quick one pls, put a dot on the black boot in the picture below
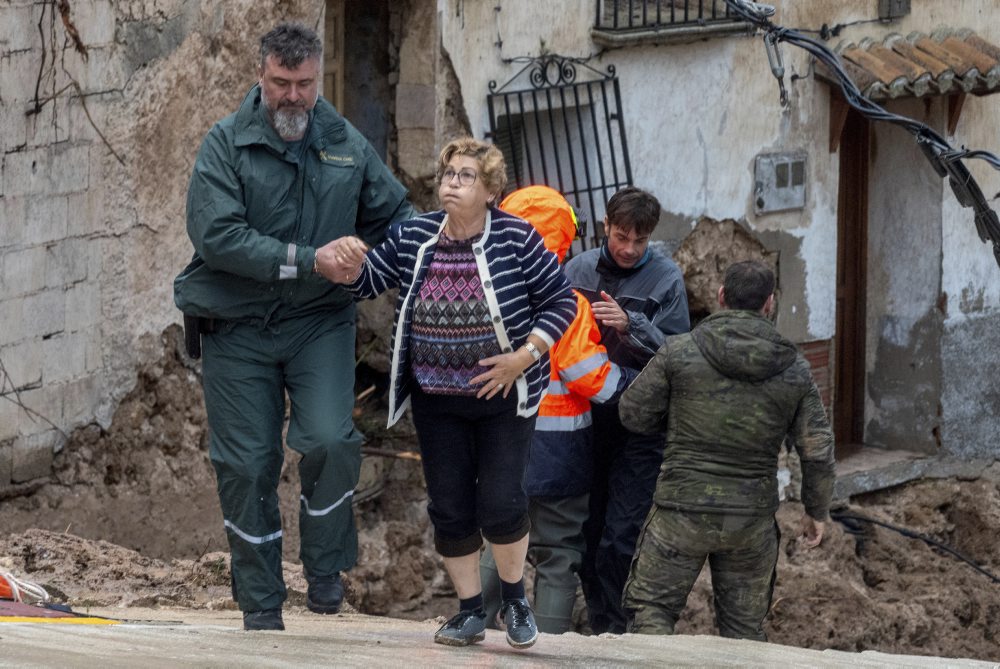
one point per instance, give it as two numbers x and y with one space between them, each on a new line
268 619
325 593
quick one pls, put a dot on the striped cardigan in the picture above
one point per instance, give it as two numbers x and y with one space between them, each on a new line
523 283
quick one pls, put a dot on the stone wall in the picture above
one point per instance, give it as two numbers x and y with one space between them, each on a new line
102 109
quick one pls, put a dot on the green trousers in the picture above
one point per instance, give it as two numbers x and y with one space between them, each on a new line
247 370
742 553
555 547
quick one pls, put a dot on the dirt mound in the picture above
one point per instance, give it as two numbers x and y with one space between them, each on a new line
132 519
145 488
872 588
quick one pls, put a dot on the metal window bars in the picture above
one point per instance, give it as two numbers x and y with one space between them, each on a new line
559 123
634 14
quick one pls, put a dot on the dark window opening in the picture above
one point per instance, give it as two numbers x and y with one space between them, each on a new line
565 134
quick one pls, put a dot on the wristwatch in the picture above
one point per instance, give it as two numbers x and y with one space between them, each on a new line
533 350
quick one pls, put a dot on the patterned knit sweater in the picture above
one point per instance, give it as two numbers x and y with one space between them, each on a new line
452 331
522 283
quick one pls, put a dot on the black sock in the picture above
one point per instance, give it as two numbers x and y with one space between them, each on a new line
471 604
512 590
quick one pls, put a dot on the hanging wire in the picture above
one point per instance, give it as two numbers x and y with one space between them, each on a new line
943 157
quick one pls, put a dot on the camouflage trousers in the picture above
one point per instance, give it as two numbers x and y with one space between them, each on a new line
742 553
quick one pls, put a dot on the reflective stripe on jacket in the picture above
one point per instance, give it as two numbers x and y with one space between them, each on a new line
561 461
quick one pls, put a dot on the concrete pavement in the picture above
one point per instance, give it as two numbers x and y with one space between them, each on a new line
155 638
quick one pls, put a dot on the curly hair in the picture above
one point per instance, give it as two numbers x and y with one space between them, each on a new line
290 44
492 167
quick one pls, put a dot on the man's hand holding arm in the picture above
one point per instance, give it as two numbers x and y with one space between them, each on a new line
610 314
340 261
646 333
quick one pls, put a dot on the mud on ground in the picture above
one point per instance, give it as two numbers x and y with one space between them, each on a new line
131 519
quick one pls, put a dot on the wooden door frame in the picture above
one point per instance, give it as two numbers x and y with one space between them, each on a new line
333 53
852 281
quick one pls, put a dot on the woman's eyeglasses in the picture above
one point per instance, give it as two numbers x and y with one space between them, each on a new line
465 177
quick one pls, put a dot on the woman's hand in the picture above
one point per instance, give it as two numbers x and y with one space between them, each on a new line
340 261
503 371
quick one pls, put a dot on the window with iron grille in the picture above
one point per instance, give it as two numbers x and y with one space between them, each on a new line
564 131
635 21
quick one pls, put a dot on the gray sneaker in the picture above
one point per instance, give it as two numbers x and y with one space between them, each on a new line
464 628
522 632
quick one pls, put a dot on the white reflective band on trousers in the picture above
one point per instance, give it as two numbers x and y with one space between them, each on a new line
323 512
249 538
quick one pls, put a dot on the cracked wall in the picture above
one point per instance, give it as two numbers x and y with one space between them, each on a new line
92 194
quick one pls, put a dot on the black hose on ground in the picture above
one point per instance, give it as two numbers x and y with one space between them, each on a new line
850 520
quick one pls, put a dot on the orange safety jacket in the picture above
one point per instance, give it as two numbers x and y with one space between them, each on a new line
561 460
561 463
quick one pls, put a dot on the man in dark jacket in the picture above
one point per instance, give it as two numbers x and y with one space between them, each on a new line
272 185
727 395
638 298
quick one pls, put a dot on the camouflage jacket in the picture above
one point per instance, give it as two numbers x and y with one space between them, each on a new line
727 394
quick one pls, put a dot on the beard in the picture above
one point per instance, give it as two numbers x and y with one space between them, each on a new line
289 120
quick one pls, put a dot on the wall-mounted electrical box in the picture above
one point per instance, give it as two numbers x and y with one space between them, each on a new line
779 182
893 9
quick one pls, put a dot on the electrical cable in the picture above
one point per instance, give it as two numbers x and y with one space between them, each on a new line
842 517
944 158
826 31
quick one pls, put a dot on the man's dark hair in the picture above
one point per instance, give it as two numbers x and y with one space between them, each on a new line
747 285
632 208
290 44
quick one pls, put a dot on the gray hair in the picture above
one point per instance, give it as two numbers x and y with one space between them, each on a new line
290 44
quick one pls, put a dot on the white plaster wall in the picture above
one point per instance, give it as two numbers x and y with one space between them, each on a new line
697 115
970 275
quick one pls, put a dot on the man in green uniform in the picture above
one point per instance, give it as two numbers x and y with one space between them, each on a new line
726 394
272 185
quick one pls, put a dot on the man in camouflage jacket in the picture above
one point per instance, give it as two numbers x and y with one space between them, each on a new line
727 394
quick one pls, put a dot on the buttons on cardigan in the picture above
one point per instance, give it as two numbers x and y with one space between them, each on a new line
496 319
507 349
487 284
522 406
478 250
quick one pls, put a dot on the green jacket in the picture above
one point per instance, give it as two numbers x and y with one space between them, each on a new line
256 214
727 394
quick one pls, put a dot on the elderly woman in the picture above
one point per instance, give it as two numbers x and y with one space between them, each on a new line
480 302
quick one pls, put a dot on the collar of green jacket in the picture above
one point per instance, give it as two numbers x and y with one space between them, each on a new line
743 345
252 126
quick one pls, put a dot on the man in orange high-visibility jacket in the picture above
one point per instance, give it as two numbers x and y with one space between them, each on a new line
561 463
